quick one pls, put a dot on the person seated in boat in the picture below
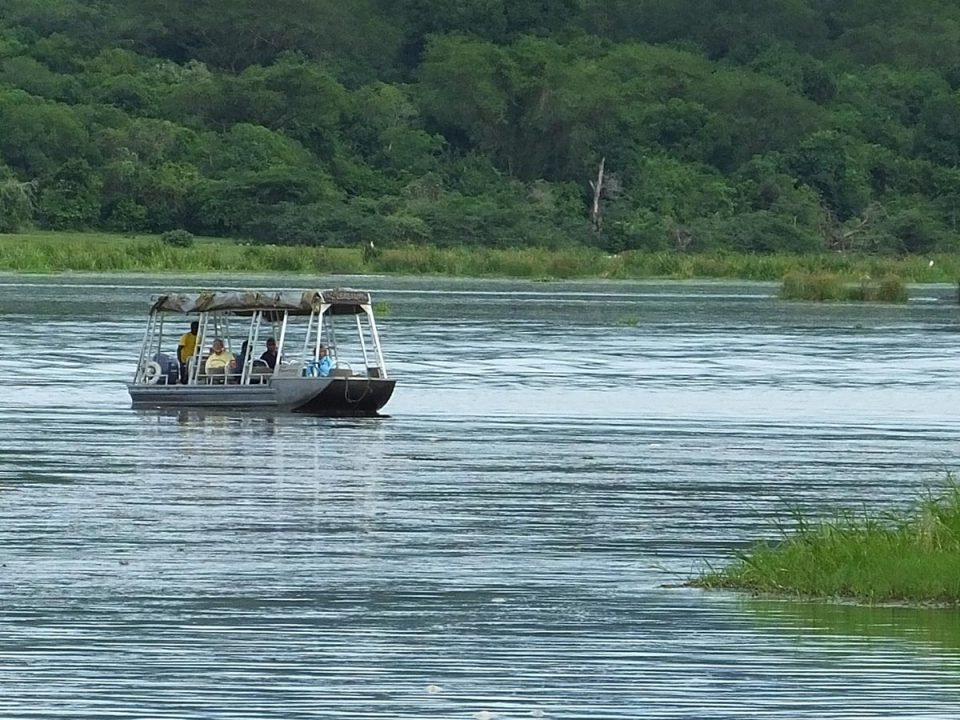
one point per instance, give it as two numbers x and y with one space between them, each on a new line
320 367
186 348
219 359
326 364
269 355
236 366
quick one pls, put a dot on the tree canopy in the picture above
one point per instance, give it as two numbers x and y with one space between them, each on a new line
782 125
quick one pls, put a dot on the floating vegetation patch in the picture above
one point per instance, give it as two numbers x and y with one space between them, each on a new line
831 287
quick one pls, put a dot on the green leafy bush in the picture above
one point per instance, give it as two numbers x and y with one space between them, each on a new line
177 238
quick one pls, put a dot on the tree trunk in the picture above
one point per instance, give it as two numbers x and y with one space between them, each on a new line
596 216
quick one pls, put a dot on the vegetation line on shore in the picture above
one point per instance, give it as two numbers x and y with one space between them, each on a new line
911 556
95 252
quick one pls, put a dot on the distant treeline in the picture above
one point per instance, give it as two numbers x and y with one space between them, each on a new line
776 126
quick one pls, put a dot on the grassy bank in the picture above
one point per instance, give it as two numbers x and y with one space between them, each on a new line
91 252
913 556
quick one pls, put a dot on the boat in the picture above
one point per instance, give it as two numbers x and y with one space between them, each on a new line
312 372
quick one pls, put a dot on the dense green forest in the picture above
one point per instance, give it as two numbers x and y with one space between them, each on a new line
748 125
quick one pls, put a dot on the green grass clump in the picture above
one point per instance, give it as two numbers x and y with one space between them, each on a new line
826 287
912 556
891 289
819 286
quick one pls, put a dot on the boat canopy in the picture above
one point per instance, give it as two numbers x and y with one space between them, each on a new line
341 301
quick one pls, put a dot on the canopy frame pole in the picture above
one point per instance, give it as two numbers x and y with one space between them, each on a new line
147 334
283 336
363 342
376 339
331 337
321 324
252 335
198 350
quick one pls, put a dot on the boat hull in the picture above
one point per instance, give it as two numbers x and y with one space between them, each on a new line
336 397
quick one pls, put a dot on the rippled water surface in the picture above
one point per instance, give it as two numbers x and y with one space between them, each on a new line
506 544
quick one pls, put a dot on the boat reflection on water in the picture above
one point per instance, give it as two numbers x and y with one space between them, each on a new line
256 454
259 420
264 422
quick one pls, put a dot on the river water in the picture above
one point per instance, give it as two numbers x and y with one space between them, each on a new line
507 543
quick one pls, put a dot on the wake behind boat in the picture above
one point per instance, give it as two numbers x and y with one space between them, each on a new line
301 369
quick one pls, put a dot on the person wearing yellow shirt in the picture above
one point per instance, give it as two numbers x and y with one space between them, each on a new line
219 360
186 348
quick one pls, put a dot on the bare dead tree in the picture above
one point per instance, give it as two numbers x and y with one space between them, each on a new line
596 215
843 237
16 204
682 238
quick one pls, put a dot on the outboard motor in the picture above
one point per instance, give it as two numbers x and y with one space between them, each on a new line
169 370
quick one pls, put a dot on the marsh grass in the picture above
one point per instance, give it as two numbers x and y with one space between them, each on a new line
45 252
827 286
912 556
92 252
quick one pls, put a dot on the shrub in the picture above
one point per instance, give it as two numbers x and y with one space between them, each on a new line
128 216
177 238
915 232
891 289
761 231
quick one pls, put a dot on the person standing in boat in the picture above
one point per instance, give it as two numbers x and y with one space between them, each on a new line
186 348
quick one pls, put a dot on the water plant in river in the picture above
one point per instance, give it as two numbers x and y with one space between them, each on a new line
909 556
827 286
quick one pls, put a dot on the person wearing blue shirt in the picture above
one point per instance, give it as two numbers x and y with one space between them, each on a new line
325 363
320 367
